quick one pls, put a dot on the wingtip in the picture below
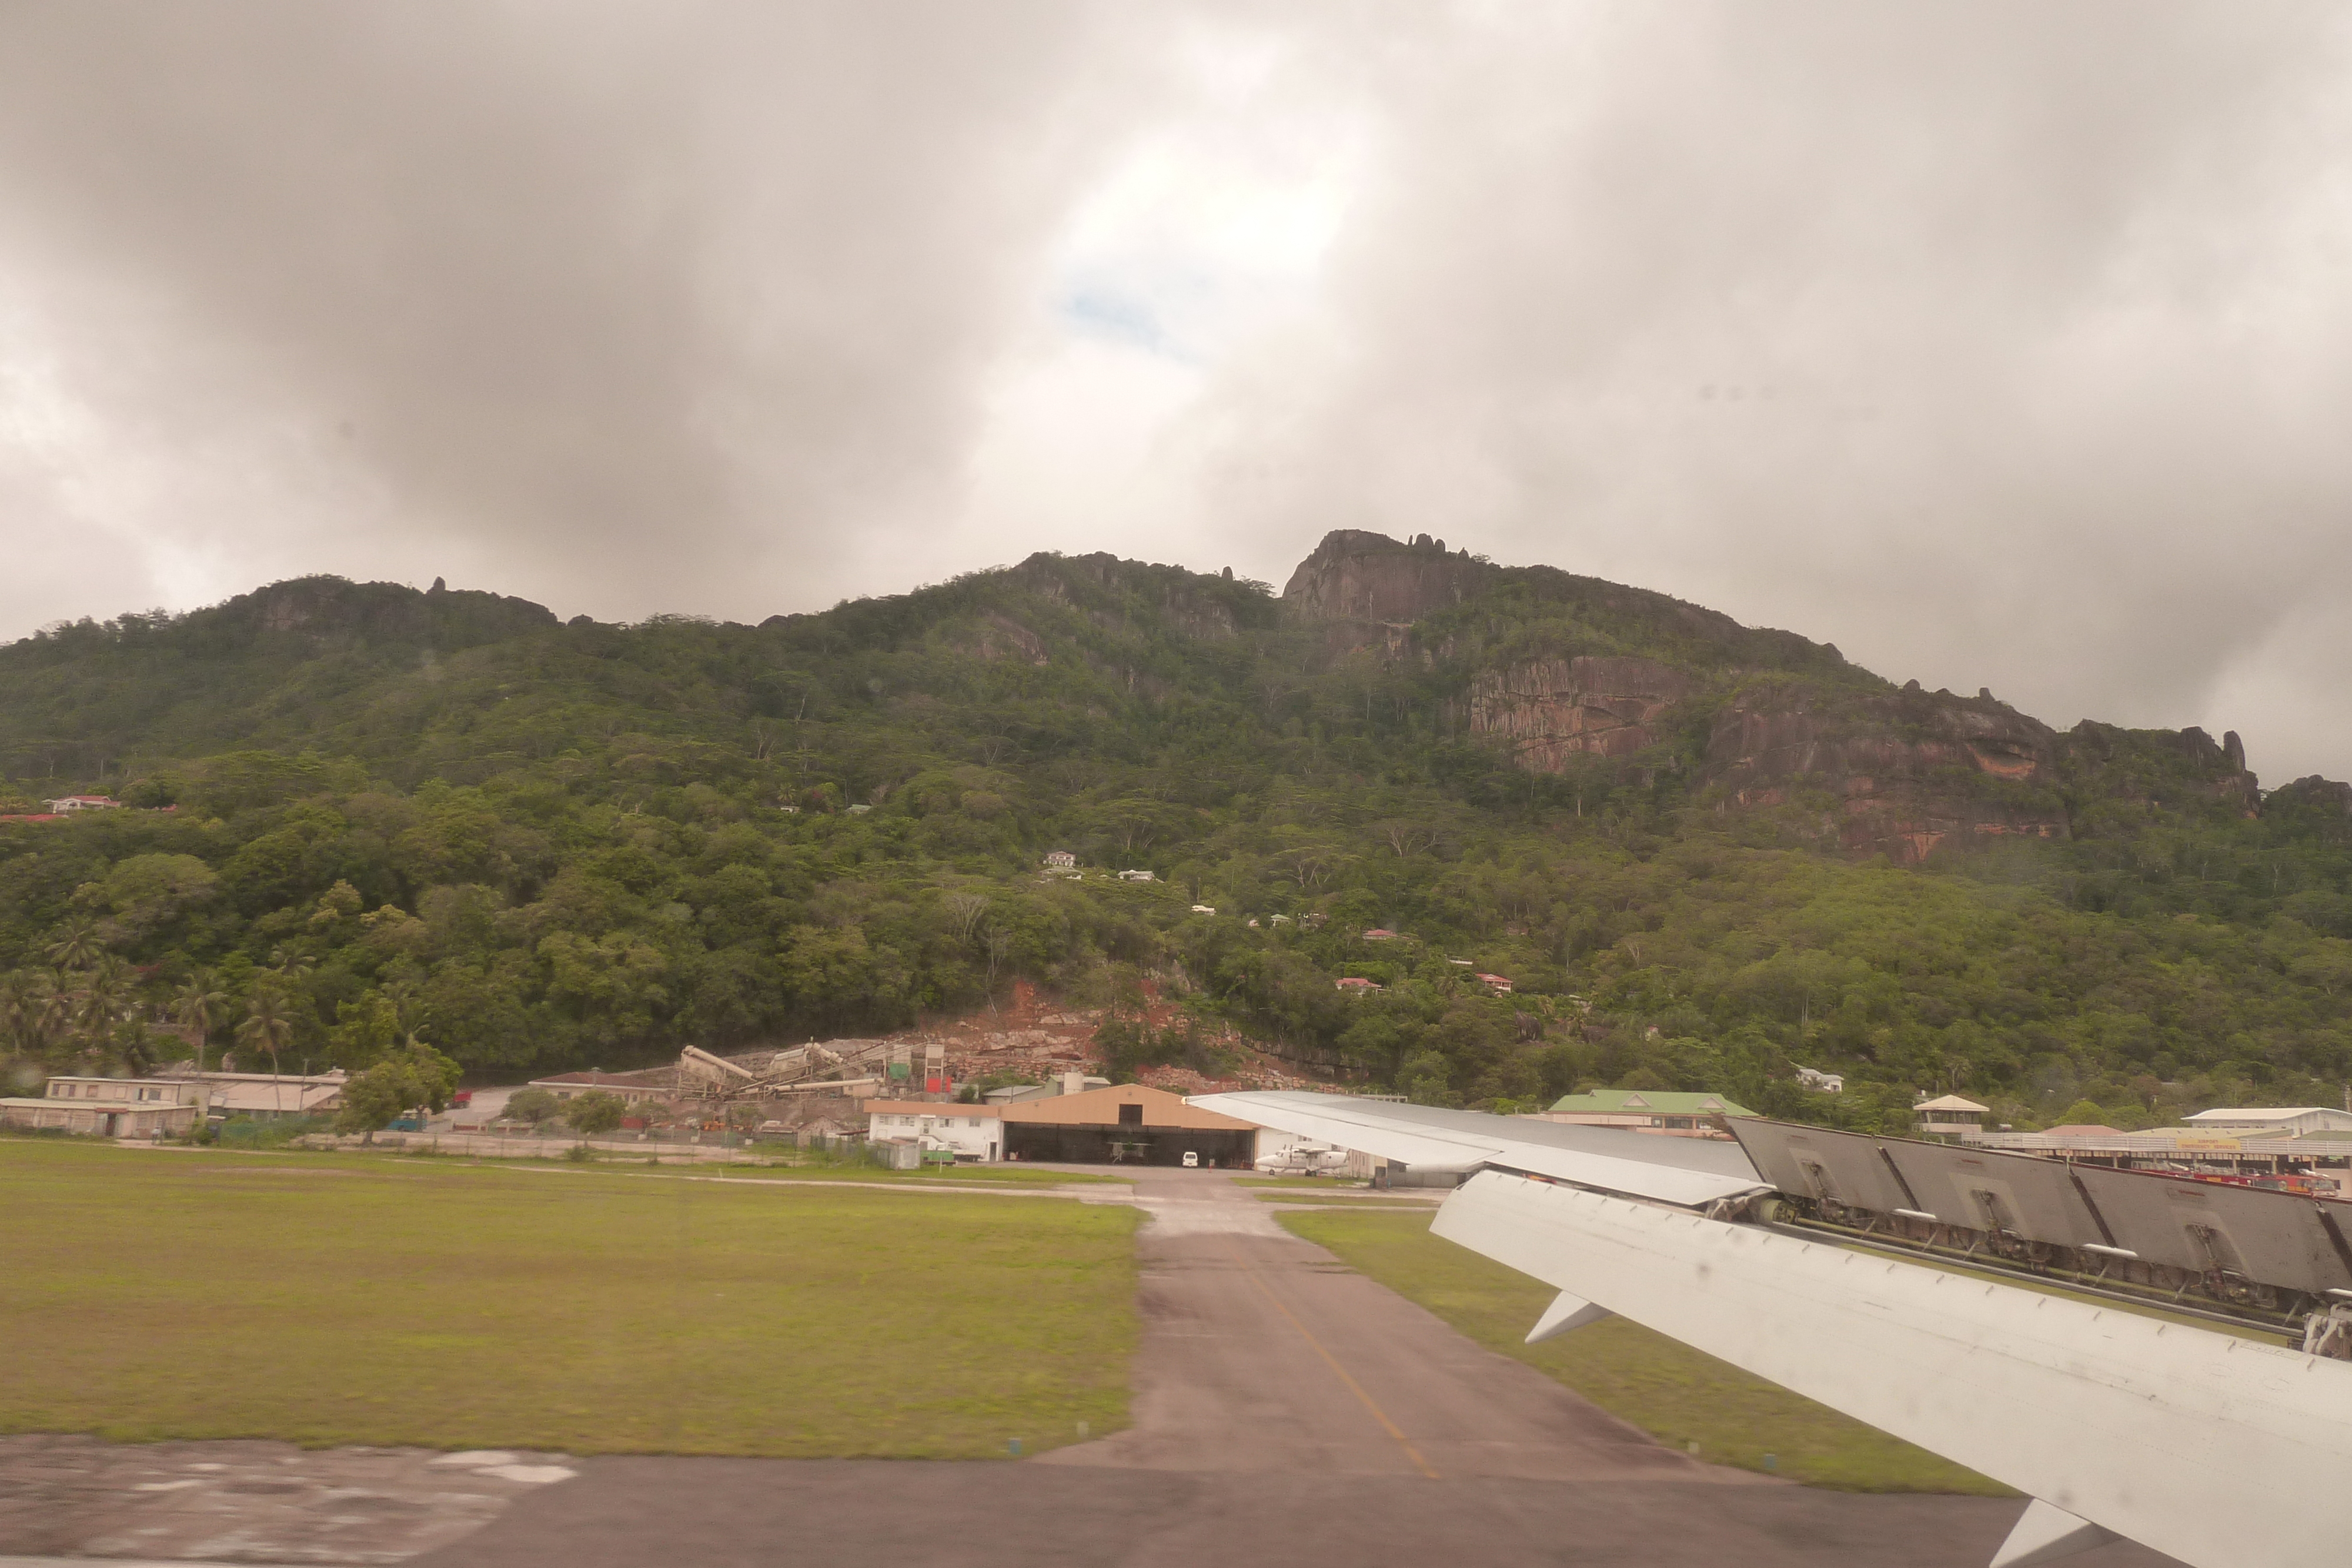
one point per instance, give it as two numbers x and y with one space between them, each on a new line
2045 1532
1566 1312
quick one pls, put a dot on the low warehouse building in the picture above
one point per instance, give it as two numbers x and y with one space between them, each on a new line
1126 1124
111 1107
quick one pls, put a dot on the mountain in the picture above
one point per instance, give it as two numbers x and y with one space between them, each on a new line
1705 852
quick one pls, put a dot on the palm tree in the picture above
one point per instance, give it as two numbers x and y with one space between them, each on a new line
21 1014
77 948
266 1026
46 1006
287 966
197 1007
101 1000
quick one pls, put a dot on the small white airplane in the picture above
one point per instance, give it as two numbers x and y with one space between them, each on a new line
1302 1159
1874 1275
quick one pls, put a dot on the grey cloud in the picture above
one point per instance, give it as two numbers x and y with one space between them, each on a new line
2000 344
631 307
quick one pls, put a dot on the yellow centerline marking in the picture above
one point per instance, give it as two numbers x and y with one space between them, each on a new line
1332 1361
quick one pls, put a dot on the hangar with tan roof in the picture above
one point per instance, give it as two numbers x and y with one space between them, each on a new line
1125 1124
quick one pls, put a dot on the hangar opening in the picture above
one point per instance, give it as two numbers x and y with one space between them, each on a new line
1126 1124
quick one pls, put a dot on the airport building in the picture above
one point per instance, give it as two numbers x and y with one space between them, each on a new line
1127 1124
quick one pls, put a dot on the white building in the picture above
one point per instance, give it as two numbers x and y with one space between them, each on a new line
112 1107
65 803
972 1131
1137 876
1950 1117
1827 1083
2277 1121
1061 859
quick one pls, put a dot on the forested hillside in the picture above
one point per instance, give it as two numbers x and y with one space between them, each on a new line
1703 853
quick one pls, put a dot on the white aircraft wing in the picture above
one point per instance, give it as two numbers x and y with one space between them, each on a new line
2221 1450
1672 1170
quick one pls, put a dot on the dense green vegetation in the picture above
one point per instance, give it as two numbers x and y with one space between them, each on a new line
365 813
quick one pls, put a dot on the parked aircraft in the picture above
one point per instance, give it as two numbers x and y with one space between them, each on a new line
1302 1159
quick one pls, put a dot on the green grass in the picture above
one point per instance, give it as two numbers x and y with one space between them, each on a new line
953 1176
1316 1181
381 1300
1667 1389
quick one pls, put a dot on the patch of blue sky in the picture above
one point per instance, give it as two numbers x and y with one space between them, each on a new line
1165 316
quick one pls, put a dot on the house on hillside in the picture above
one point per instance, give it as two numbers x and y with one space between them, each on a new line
1498 984
64 804
1380 934
1137 876
1674 1112
1357 986
1827 1083
1061 859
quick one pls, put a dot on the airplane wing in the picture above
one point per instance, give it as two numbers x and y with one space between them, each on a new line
1427 1139
2219 1449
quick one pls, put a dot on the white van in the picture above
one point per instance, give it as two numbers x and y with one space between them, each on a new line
1192 1159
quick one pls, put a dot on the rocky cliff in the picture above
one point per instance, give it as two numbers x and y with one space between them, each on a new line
1911 771
1358 576
1549 710
1754 719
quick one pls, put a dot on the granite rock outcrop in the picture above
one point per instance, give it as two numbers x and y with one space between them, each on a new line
1547 710
1354 575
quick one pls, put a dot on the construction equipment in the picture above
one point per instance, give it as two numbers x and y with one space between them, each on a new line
839 1067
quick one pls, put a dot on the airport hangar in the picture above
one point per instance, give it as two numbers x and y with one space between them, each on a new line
1127 1124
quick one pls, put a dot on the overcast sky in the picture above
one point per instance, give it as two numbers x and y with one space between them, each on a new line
2000 344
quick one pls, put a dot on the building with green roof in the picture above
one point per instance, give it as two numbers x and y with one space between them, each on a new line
1684 1111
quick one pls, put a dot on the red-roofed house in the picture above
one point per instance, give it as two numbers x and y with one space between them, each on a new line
1495 982
1380 934
1353 984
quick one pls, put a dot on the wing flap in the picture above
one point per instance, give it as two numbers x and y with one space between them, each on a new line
2135 1424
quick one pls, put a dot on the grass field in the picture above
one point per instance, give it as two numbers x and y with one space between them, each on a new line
783 1170
1667 1389
368 1299
1314 1181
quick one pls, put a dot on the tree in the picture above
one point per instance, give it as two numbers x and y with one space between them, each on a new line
266 1026
594 1112
197 1008
416 1077
77 946
532 1105
366 1030
965 909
